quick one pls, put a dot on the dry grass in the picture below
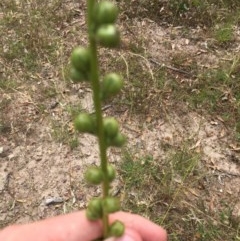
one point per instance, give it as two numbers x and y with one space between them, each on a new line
37 38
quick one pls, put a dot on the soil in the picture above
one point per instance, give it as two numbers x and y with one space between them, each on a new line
41 177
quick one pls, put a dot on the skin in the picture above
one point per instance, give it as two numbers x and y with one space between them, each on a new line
75 227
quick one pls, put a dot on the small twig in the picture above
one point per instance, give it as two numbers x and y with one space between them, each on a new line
103 108
172 68
226 173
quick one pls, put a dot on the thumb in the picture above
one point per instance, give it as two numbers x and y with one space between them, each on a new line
129 235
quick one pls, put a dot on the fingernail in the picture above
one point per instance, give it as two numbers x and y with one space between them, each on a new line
123 238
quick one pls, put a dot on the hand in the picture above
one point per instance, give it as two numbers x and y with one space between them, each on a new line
75 227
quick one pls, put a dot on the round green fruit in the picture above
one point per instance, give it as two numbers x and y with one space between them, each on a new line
111 173
106 12
84 123
110 126
92 216
111 84
94 175
80 59
108 36
111 204
117 229
118 141
95 206
77 76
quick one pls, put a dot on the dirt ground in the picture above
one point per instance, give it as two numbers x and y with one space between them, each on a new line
40 177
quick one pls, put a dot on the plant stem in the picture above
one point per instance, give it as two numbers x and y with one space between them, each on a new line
97 104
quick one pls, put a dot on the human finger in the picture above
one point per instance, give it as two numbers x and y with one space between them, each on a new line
70 227
129 235
75 227
147 230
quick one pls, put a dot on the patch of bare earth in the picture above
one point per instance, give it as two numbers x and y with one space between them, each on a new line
41 177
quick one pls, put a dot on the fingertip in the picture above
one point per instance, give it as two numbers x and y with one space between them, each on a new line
164 235
147 230
129 235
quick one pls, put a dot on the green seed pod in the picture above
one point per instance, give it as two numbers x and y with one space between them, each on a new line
95 207
111 204
117 229
111 173
106 12
80 59
77 76
110 126
92 216
94 175
85 123
118 141
111 84
108 36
